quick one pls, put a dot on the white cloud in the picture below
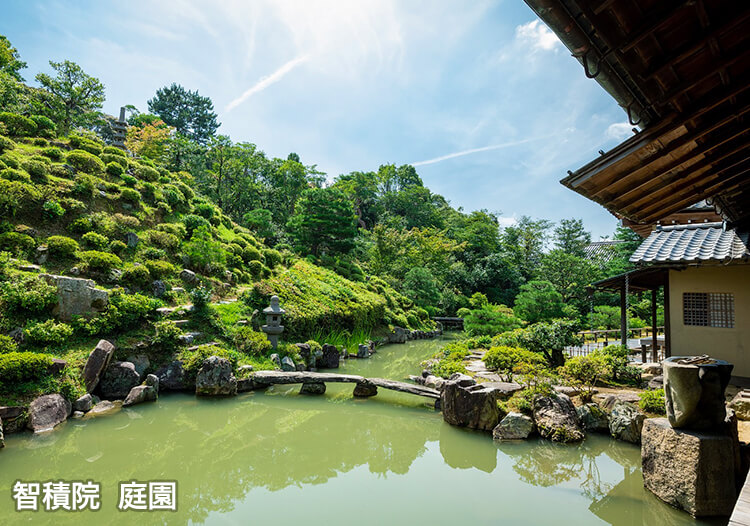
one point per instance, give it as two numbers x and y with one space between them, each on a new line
266 81
478 150
506 221
538 36
619 131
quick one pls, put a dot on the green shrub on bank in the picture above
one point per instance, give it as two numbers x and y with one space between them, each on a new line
96 261
86 144
125 311
54 153
16 196
160 269
29 294
17 125
146 173
114 150
12 174
137 275
61 246
6 144
45 127
251 342
95 240
18 367
52 210
16 243
653 402
167 336
7 344
505 360
47 333
38 170
131 196
115 170
583 372
86 162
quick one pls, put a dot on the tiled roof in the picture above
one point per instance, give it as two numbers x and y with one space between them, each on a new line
604 251
701 242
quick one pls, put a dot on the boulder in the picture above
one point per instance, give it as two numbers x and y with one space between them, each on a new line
48 411
514 426
131 239
398 335
305 353
651 368
690 470
77 415
152 381
104 408
96 364
365 389
14 418
57 366
462 380
84 403
657 382
275 360
172 377
41 255
330 357
434 382
158 288
626 422
695 392
287 364
246 384
740 404
188 276
18 335
76 297
140 394
316 388
363 351
556 418
610 400
141 363
474 408
118 379
593 418
503 390
215 378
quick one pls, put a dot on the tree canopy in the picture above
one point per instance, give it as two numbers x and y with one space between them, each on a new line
188 112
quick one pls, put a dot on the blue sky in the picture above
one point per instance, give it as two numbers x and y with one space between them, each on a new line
479 96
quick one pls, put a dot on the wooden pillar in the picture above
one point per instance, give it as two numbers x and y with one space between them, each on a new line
667 326
623 317
654 325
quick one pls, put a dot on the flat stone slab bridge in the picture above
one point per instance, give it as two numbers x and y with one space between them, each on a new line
314 383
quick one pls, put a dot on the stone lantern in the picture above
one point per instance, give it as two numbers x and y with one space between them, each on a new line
273 327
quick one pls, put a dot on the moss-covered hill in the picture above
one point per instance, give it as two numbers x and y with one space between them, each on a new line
75 207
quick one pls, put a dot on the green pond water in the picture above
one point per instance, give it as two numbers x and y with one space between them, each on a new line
277 457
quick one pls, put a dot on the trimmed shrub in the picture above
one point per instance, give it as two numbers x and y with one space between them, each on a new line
116 246
54 153
16 243
38 141
7 344
653 401
160 269
167 337
95 240
129 195
86 162
86 144
11 174
10 160
61 246
17 125
52 210
251 342
37 170
137 275
97 261
19 367
186 190
6 144
118 160
63 171
193 222
506 359
125 311
115 170
129 180
583 372
176 229
47 332
146 173
163 240
31 294
45 127
84 186
272 257
205 210
114 150
252 254
16 196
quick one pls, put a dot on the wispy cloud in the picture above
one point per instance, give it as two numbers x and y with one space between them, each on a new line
619 131
536 34
266 81
478 150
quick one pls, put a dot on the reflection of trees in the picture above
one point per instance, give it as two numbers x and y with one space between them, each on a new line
457 452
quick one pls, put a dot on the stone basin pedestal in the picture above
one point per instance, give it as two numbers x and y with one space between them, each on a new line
695 392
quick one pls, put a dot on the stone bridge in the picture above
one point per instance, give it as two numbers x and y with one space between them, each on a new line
314 383
450 323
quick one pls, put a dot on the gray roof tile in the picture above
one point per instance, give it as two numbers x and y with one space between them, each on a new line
700 242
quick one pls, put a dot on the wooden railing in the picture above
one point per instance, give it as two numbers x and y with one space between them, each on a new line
598 339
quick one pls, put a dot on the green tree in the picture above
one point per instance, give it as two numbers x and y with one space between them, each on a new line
524 243
420 287
190 113
10 59
323 222
570 275
538 301
75 97
571 237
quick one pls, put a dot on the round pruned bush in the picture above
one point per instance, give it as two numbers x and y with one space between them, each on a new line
12 174
136 276
6 144
45 127
86 162
7 344
52 210
130 195
250 342
96 261
47 333
163 240
62 246
146 173
653 402
160 269
95 240
38 141
63 171
115 170
129 180
86 144
272 257
193 222
84 186
16 196
54 153
117 247
31 294
176 229
10 160
38 170
114 150
118 160
19 367
252 254
17 125
256 269
167 337
16 243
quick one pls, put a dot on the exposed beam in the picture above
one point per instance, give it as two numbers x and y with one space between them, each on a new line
651 23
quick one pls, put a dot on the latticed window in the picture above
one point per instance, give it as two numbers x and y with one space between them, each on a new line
708 309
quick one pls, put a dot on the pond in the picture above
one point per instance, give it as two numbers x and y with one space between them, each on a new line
277 457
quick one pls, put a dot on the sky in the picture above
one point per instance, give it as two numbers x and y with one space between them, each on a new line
479 96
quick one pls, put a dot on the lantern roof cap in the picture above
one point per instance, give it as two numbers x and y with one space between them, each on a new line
274 308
